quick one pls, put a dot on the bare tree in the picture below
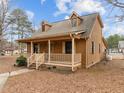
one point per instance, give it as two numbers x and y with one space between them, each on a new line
20 26
23 27
117 5
3 16
3 19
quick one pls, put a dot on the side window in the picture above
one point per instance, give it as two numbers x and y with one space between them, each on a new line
93 47
99 48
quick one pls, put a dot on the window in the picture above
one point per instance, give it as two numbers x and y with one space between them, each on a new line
68 47
93 47
74 22
99 48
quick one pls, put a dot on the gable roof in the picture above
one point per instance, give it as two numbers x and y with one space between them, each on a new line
64 27
74 13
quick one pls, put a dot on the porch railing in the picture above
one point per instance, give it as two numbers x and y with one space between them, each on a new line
63 58
36 58
39 58
31 60
55 59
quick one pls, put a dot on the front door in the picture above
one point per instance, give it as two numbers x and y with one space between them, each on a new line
68 47
35 48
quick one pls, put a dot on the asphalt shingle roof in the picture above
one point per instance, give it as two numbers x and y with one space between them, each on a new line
64 27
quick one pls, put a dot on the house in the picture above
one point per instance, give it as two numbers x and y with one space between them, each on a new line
8 48
75 42
121 46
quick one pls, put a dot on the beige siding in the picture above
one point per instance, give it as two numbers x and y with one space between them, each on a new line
43 47
96 36
103 51
56 47
81 48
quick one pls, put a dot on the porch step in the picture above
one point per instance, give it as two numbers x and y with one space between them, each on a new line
32 66
43 67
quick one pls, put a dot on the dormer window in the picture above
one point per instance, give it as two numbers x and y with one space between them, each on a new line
74 22
75 19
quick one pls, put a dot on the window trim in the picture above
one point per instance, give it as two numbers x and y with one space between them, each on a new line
93 47
99 48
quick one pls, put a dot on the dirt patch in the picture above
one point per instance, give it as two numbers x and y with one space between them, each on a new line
100 78
6 64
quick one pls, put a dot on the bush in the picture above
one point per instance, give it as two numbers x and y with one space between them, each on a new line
21 61
2 54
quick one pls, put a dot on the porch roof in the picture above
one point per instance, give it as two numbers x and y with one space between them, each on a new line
64 28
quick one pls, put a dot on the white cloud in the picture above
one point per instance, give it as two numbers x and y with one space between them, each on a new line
66 17
88 6
80 6
30 14
62 6
113 29
42 1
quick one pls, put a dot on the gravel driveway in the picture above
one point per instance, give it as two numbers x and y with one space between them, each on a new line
100 78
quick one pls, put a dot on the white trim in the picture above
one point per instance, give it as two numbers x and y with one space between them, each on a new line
73 52
64 65
38 47
49 50
31 47
53 64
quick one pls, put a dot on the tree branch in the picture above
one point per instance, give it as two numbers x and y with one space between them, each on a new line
116 3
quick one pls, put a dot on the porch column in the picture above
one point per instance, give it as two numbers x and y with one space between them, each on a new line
19 48
49 50
73 52
38 47
31 48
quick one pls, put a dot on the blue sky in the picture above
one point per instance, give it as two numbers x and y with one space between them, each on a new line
55 10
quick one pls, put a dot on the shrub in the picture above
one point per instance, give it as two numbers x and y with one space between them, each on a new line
2 54
21 61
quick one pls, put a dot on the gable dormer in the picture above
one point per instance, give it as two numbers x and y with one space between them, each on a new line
75 19
45 26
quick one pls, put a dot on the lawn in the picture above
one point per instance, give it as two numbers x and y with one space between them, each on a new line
100 78
6 64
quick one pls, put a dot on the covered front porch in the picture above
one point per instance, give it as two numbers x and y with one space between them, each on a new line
58 52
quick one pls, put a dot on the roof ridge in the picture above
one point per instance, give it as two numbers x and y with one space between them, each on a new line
79 16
